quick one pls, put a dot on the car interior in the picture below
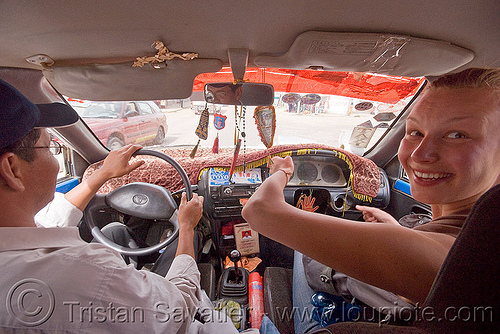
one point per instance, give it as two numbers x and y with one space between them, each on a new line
329 83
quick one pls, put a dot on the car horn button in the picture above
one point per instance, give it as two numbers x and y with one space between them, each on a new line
140 199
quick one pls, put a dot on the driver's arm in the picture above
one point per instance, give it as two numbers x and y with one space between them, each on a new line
116 164
66 210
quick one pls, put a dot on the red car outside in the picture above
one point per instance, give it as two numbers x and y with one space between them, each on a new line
126 122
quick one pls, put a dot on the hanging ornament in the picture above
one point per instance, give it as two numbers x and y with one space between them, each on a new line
215 147
235 157
219 121
201 130
236 133
265 118
239 120
219 124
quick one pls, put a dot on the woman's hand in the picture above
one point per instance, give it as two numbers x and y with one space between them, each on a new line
283 164
374 215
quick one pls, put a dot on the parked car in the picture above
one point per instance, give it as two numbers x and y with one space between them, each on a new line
125 122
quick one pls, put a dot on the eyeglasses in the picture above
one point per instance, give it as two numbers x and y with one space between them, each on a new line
55 147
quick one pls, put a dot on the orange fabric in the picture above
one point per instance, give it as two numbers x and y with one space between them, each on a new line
362 86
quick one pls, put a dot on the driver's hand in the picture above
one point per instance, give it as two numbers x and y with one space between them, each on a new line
117 163
190 212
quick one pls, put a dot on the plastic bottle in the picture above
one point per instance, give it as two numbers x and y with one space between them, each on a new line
256 299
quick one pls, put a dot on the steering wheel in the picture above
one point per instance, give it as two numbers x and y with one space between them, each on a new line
142 200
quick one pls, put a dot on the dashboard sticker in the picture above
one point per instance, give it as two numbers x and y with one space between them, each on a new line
220 176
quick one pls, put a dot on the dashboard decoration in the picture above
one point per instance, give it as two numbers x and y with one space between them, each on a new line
265 118
363 175
306 203
201 130
247 240
312 200
220 176
219 124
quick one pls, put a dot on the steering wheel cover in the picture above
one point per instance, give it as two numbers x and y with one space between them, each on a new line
101 202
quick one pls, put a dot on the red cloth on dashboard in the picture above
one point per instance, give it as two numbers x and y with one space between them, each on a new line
365 174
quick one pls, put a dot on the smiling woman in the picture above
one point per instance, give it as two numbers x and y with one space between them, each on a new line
451 147
450 154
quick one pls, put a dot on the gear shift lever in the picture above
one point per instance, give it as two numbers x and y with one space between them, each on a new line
233 283
235 256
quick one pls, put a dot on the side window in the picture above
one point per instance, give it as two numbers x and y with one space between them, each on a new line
131 107
404 176
402 183
64 159
145 108
131 110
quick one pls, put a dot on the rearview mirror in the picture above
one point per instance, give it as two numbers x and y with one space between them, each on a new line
245 93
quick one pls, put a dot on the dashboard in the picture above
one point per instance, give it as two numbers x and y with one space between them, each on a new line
321 171
318 171
319 174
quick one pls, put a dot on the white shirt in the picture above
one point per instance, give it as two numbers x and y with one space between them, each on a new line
54 281
58 213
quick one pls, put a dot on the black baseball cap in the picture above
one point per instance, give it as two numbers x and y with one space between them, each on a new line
18 115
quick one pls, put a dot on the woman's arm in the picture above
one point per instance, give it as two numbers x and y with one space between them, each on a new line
375 215
397 259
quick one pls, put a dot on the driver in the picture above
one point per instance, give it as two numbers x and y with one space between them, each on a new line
54 281
226 93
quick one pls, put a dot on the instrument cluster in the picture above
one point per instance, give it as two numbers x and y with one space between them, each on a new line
316 171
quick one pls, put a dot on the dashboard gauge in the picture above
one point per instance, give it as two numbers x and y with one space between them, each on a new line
307 172
331 173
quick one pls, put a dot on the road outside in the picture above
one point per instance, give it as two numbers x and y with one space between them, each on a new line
291 128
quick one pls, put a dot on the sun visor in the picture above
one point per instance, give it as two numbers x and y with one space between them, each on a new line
101 82
369 52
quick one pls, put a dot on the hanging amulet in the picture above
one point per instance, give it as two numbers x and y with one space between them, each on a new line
265 118
202 129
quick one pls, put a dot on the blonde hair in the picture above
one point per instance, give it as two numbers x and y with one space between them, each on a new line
469 78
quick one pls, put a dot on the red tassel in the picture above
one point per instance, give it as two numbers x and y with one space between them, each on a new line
215 148
235 157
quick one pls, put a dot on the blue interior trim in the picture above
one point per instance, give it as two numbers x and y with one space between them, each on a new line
402 186
67 185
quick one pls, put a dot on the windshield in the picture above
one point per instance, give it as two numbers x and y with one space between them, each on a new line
99 110
348 110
